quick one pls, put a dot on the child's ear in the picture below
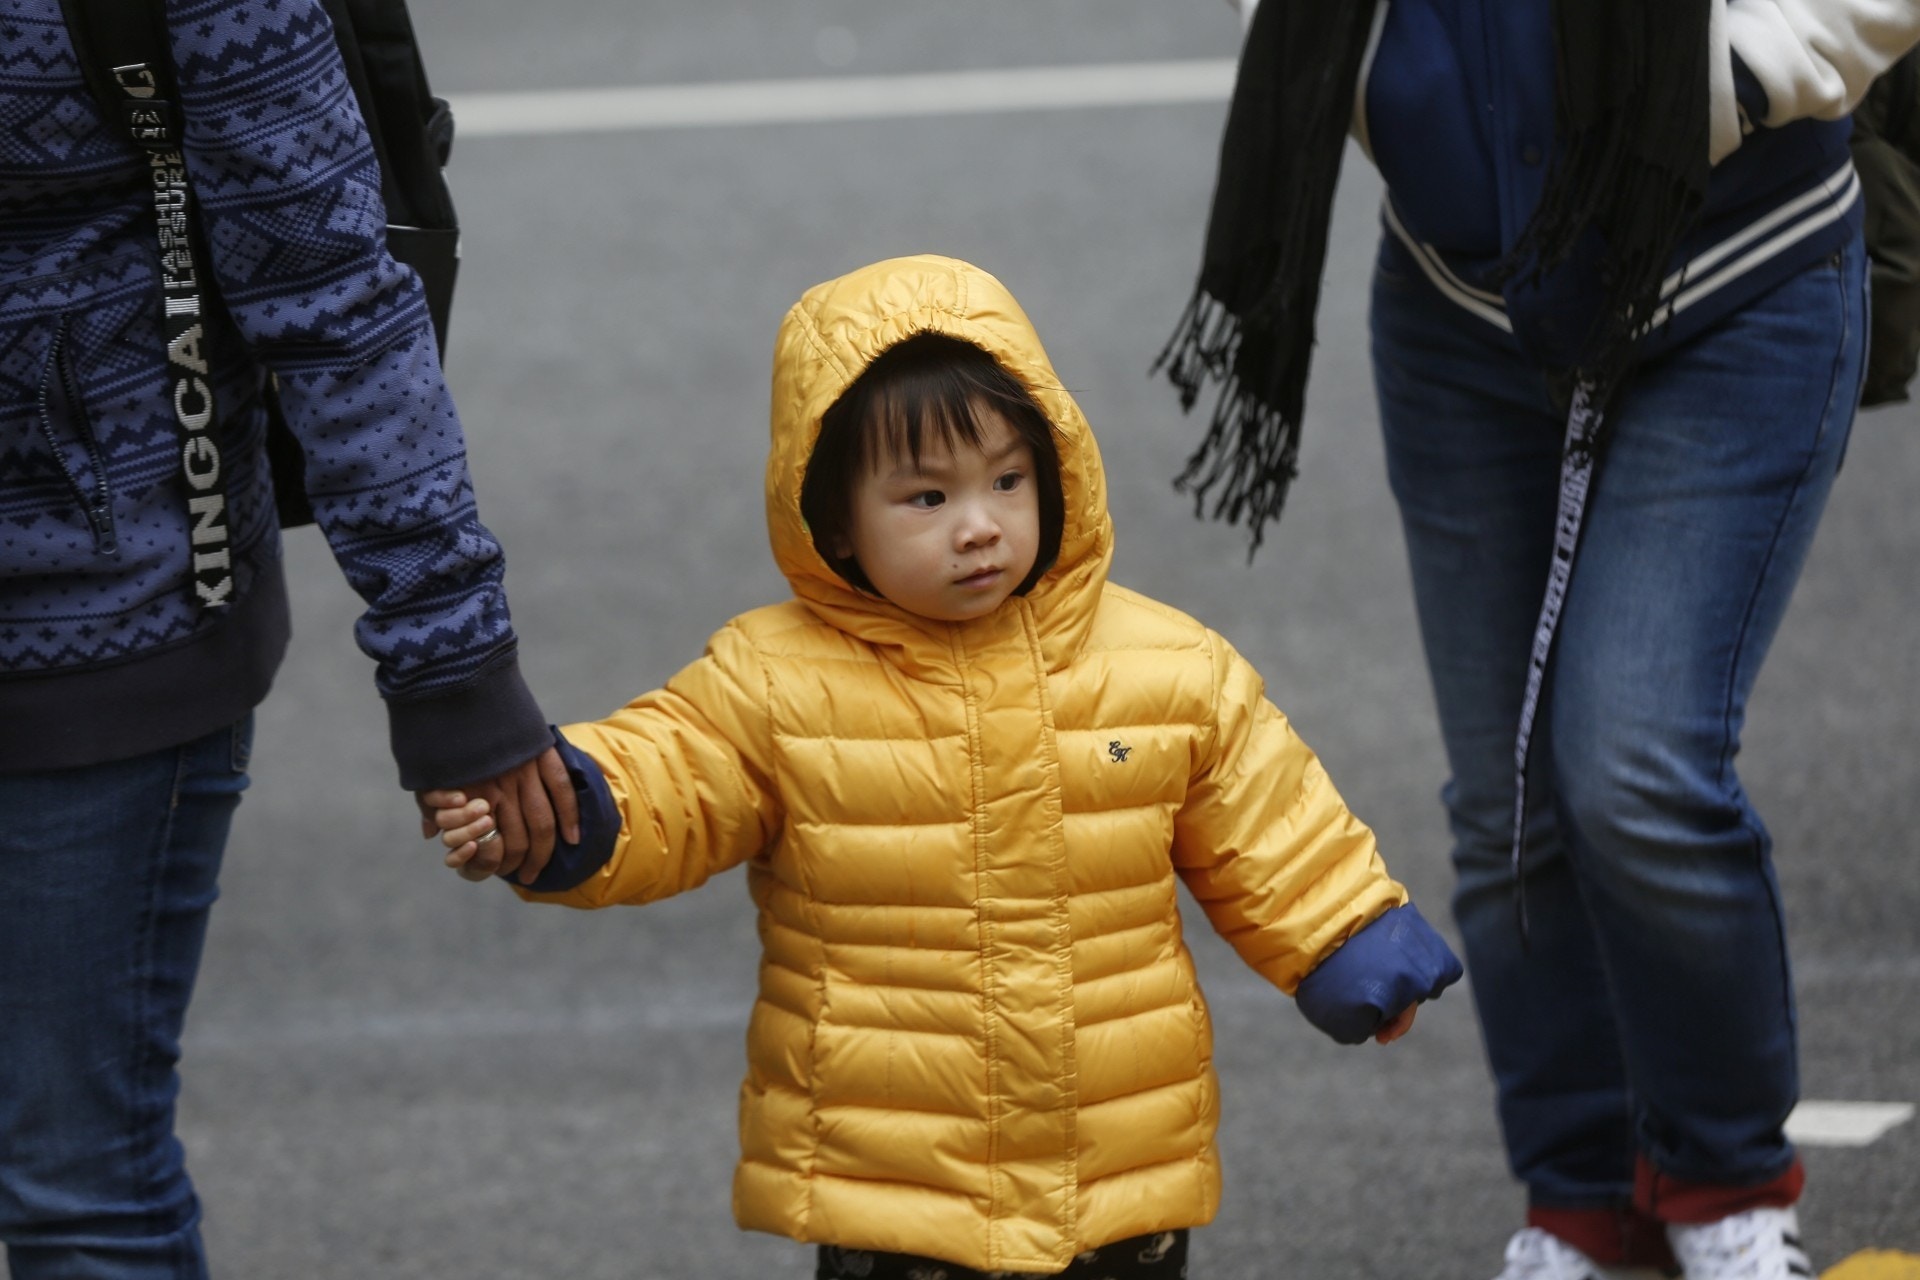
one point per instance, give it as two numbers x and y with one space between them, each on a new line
842 547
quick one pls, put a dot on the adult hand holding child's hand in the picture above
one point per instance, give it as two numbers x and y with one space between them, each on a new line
504 825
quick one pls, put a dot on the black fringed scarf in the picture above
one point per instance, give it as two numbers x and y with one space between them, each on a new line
1631 161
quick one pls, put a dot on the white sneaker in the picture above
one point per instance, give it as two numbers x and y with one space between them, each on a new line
1760 1244
1534 1254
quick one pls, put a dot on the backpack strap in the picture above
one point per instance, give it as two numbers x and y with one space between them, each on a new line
123 52
117 33
412 134
412 130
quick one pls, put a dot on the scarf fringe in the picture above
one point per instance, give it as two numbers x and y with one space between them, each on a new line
1250 453
1632 166
1250 323
1204 342
1643 210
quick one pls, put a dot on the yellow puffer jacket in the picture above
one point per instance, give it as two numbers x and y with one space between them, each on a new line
979 1035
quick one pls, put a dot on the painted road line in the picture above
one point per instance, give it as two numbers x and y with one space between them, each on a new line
1844 1124
825 98
1876 1264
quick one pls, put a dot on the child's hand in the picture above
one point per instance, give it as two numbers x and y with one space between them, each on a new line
1394 963
467 829
1401 1024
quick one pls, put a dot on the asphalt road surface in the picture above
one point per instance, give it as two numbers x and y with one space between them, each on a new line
392 1073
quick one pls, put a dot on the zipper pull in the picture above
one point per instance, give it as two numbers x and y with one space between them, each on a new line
105 540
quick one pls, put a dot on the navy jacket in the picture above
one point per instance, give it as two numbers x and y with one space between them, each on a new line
104 650
1459 109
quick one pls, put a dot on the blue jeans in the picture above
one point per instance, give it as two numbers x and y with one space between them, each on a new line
1649 1027
107 875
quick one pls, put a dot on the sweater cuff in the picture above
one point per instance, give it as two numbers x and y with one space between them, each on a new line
476 732
1396 961
573 864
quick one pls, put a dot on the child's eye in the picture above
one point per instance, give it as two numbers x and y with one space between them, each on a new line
1009 482
927 499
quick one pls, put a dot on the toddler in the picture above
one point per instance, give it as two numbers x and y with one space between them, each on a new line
965 772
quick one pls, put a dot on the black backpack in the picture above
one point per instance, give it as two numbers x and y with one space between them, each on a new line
412 134
1886 151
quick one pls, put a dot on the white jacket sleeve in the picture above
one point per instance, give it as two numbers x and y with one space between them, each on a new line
1817 57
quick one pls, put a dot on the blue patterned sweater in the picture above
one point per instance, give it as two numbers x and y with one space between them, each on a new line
104 650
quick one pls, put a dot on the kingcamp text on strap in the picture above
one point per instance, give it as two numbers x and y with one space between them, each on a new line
153 123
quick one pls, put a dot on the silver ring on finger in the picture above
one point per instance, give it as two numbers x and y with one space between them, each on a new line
491 835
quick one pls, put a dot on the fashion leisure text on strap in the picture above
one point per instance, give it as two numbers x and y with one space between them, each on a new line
153 122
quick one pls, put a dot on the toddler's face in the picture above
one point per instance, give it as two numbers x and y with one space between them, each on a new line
951 537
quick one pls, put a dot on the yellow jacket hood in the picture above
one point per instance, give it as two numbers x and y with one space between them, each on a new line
826 341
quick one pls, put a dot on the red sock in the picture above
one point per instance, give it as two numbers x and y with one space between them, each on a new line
1612 1237
1663 1196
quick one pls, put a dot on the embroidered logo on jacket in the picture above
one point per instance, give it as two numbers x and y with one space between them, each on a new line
1119 751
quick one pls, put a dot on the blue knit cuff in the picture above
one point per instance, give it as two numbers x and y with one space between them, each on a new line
1396 961
467 735
574 864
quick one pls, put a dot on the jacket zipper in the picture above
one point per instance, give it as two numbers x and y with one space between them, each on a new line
97 504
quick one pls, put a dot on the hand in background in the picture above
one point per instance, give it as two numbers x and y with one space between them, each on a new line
528 805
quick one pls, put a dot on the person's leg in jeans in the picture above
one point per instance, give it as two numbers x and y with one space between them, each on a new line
1473 456
107 874
1700 520
1621 1029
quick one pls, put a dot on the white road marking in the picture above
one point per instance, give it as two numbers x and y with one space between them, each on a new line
1844 1124
825 98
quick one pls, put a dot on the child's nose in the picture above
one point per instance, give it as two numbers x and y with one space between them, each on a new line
977 527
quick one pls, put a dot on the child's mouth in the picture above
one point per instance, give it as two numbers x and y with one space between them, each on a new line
984 578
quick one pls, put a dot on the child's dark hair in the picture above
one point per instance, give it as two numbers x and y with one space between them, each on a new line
930 381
